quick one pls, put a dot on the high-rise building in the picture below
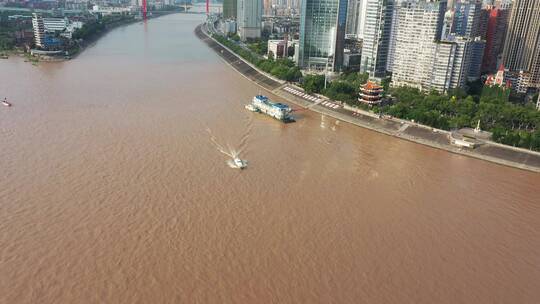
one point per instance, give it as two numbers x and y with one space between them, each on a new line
495 33
267 7
377 32
354 16
362 19
39 30
229 9
448 24
392 44
417 34
522 44
478 46
504 4
421 58
322 34
464 21
467 18
249 18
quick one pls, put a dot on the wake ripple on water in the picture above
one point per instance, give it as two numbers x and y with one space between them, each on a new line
229 150
329 138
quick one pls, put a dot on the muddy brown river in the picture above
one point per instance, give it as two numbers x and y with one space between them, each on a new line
113 190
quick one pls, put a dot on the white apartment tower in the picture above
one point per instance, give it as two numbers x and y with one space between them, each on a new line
421 59
39 30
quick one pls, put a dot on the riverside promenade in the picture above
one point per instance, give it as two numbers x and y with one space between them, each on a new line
440 139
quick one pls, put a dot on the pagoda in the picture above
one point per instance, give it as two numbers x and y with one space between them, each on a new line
371 93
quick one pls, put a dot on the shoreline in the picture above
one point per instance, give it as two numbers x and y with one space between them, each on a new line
440 139
93 40
82 46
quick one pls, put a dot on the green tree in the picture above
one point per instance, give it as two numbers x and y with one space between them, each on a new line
313 83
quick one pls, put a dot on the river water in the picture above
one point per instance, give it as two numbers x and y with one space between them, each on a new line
114 191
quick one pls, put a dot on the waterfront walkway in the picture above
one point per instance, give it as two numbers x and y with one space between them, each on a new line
489 151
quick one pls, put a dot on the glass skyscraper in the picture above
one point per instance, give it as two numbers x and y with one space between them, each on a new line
377 32
322 34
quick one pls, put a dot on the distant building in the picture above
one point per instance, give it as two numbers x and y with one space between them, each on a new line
523 81
522 46
392 43
228 26
322 34
229 9
268 25
277 48
421 59
448 24
504 4
520 80
371 93
461 62
249 18
377 32
476 55
39 30
467 18
267 7
496 26
351 60
499 79
435 48
356 14
362 20
110 10
55 24
296 45
76 6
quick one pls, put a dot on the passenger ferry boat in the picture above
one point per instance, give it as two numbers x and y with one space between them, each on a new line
277 110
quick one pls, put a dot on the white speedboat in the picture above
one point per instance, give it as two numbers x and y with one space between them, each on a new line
240 164
6 103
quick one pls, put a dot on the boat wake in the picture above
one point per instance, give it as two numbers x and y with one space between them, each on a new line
328 137
233 153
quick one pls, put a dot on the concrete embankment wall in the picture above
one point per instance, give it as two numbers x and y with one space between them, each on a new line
416 139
